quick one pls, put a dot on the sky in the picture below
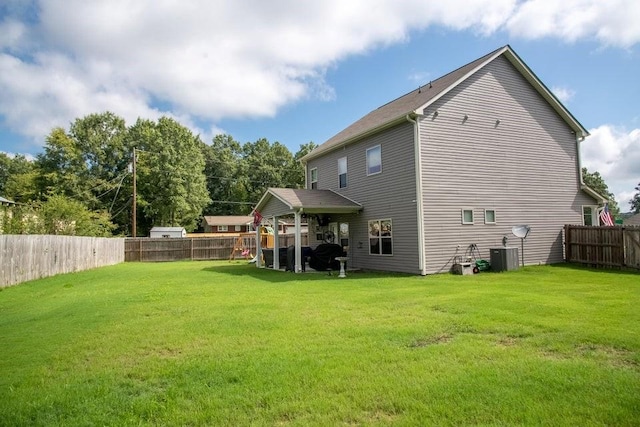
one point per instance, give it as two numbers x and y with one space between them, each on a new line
296 71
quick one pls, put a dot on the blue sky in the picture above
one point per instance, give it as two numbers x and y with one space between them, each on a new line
294 71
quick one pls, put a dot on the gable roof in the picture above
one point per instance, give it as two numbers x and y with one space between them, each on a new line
310 201
228 219
414 102
632 220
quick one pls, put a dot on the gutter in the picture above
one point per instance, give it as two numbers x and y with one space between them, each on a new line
584 187
419 204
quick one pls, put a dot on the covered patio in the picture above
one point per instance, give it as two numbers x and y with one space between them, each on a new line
281 202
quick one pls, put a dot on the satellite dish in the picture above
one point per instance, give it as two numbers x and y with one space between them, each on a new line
521 231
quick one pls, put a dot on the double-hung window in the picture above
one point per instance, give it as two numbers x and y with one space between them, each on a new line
342 172
314 178
380 237
374 160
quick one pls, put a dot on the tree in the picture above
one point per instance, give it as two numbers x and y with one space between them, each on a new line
89 163
596 183
224 175
14 170
65 216
172 188
635 201
266 165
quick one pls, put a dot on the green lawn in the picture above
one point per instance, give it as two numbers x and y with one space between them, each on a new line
219 343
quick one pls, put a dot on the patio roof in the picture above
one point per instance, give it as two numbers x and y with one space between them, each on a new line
310 201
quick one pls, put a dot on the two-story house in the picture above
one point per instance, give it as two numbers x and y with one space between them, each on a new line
457 162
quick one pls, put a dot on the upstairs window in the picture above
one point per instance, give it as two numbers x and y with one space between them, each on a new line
314 178
342 172
374 160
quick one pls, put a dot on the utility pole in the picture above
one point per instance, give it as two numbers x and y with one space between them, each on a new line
133 215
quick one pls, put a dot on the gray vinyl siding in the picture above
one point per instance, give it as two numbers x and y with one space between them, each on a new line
388 195
525 168
275 207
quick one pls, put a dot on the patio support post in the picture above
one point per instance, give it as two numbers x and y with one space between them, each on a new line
276 244
258 247
298 242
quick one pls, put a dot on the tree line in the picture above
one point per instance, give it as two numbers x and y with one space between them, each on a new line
82 182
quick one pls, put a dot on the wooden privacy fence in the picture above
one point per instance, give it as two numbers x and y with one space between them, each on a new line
615 247
193 248
30 257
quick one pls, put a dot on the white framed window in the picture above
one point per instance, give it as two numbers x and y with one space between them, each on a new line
380 237
342 172
314 178
467 216
238 228
223 228
489 216
590 215
374 160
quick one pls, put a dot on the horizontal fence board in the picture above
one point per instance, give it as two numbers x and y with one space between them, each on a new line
615 247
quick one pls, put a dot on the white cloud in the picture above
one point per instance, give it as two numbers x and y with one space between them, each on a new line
612 22
615 153
563 94
204 60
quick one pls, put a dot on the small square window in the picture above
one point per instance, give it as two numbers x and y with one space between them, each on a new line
467 216
489 216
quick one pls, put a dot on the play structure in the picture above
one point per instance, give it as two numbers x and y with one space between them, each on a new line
245 244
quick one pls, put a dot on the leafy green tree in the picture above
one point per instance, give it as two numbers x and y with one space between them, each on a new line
635 201
89 163
23 219
224 175
596 182
170 170
267 165
65 216
10 169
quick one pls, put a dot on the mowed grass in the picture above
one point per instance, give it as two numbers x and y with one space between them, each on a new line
219 343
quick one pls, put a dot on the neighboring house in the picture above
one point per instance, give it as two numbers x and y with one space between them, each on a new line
227 224
6 202
170 232
632 220
457 162
5 212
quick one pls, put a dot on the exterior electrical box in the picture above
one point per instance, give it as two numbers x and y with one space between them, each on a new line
504 259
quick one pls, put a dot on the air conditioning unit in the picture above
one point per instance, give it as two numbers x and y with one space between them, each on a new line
504 259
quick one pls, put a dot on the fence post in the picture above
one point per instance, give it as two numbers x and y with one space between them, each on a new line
567 243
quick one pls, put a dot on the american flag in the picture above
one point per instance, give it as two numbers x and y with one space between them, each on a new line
605 216
257 218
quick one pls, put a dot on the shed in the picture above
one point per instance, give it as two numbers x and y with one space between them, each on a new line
168 232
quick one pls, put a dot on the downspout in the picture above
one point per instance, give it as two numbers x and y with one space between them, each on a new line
584 186
419 197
